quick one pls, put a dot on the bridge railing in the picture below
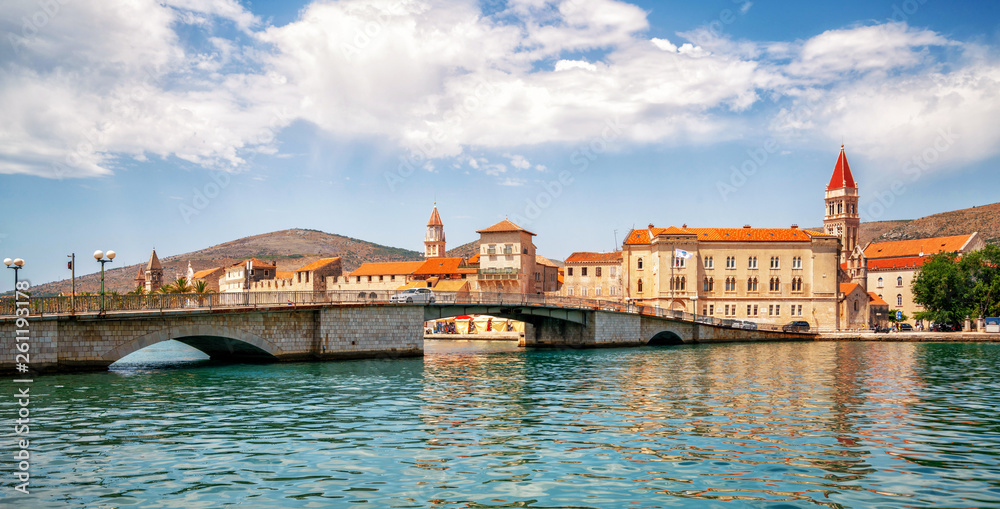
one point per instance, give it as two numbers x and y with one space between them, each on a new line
91 304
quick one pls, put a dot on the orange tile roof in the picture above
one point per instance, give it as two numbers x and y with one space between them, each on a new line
474 258
322 262
876 300
910 262
438 266
637 238
435 219
386 268
901 248
257 263
504 226
541 260
201 274
642 237
842 176
452 286
586 256
847 288
284 274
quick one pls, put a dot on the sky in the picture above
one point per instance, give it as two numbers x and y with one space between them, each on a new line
181 124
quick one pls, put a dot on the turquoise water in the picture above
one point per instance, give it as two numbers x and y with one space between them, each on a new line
490 425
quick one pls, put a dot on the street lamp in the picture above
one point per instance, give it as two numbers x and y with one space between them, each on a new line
99 256
17 264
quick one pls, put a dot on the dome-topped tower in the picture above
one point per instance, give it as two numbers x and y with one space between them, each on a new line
842 216
434 238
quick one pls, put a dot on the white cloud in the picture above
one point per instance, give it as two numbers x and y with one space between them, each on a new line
877 47
438 78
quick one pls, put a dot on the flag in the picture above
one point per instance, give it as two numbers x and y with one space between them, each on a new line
680 253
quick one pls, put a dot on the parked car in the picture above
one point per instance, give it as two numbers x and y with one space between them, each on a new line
749 325
414 296
905 327
943 327
881 329
796 326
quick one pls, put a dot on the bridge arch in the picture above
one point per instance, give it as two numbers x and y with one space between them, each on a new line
664 338
218 342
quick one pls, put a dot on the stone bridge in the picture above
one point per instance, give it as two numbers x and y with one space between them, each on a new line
299 329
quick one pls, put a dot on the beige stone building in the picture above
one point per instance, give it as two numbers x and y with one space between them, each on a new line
594 275
308 278
376 276
892 266
239 276
768 275
546 275
210 277
506 259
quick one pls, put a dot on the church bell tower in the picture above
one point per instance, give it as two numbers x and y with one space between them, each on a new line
434 238
842 217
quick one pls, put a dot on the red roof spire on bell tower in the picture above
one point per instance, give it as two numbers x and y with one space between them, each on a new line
842 177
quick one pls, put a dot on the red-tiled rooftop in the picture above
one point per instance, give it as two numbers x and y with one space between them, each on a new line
586 256
642 237
876 300
847 288
504 226
435 219
916 247
910 262
438 266
842 176
257 263
322 262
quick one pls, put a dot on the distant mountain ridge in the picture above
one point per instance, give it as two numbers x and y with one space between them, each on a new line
289 249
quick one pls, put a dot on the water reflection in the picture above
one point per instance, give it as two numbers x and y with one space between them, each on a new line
481 424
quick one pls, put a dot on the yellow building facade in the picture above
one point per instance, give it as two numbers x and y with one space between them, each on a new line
766 275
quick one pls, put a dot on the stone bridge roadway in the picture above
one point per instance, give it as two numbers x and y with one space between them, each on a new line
93 341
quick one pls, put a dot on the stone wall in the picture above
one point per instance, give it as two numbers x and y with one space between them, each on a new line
87 343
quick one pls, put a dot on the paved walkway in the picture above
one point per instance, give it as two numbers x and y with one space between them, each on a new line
910 336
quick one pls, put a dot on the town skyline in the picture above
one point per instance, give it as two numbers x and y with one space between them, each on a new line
753 142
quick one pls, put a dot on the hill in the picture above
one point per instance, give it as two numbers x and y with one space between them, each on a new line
985 220
464 251
289 249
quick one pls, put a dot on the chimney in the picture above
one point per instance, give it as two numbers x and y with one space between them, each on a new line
746 226
651 226
684 226
795 227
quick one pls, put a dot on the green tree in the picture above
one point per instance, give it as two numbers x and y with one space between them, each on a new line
942 289
138 290
201 287
182 286
982 268
902 316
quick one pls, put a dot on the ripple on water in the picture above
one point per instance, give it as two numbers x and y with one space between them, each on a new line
490 425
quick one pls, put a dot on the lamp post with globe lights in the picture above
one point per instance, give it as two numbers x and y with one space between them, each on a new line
15 264
99 256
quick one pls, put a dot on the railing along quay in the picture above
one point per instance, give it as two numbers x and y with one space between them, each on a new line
91 304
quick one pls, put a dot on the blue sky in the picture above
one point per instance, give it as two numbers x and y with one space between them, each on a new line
183 124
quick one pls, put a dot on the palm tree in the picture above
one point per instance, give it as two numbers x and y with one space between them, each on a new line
181 286
165 289
201 287
138 290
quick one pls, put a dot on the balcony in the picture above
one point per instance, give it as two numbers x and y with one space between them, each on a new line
498 273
